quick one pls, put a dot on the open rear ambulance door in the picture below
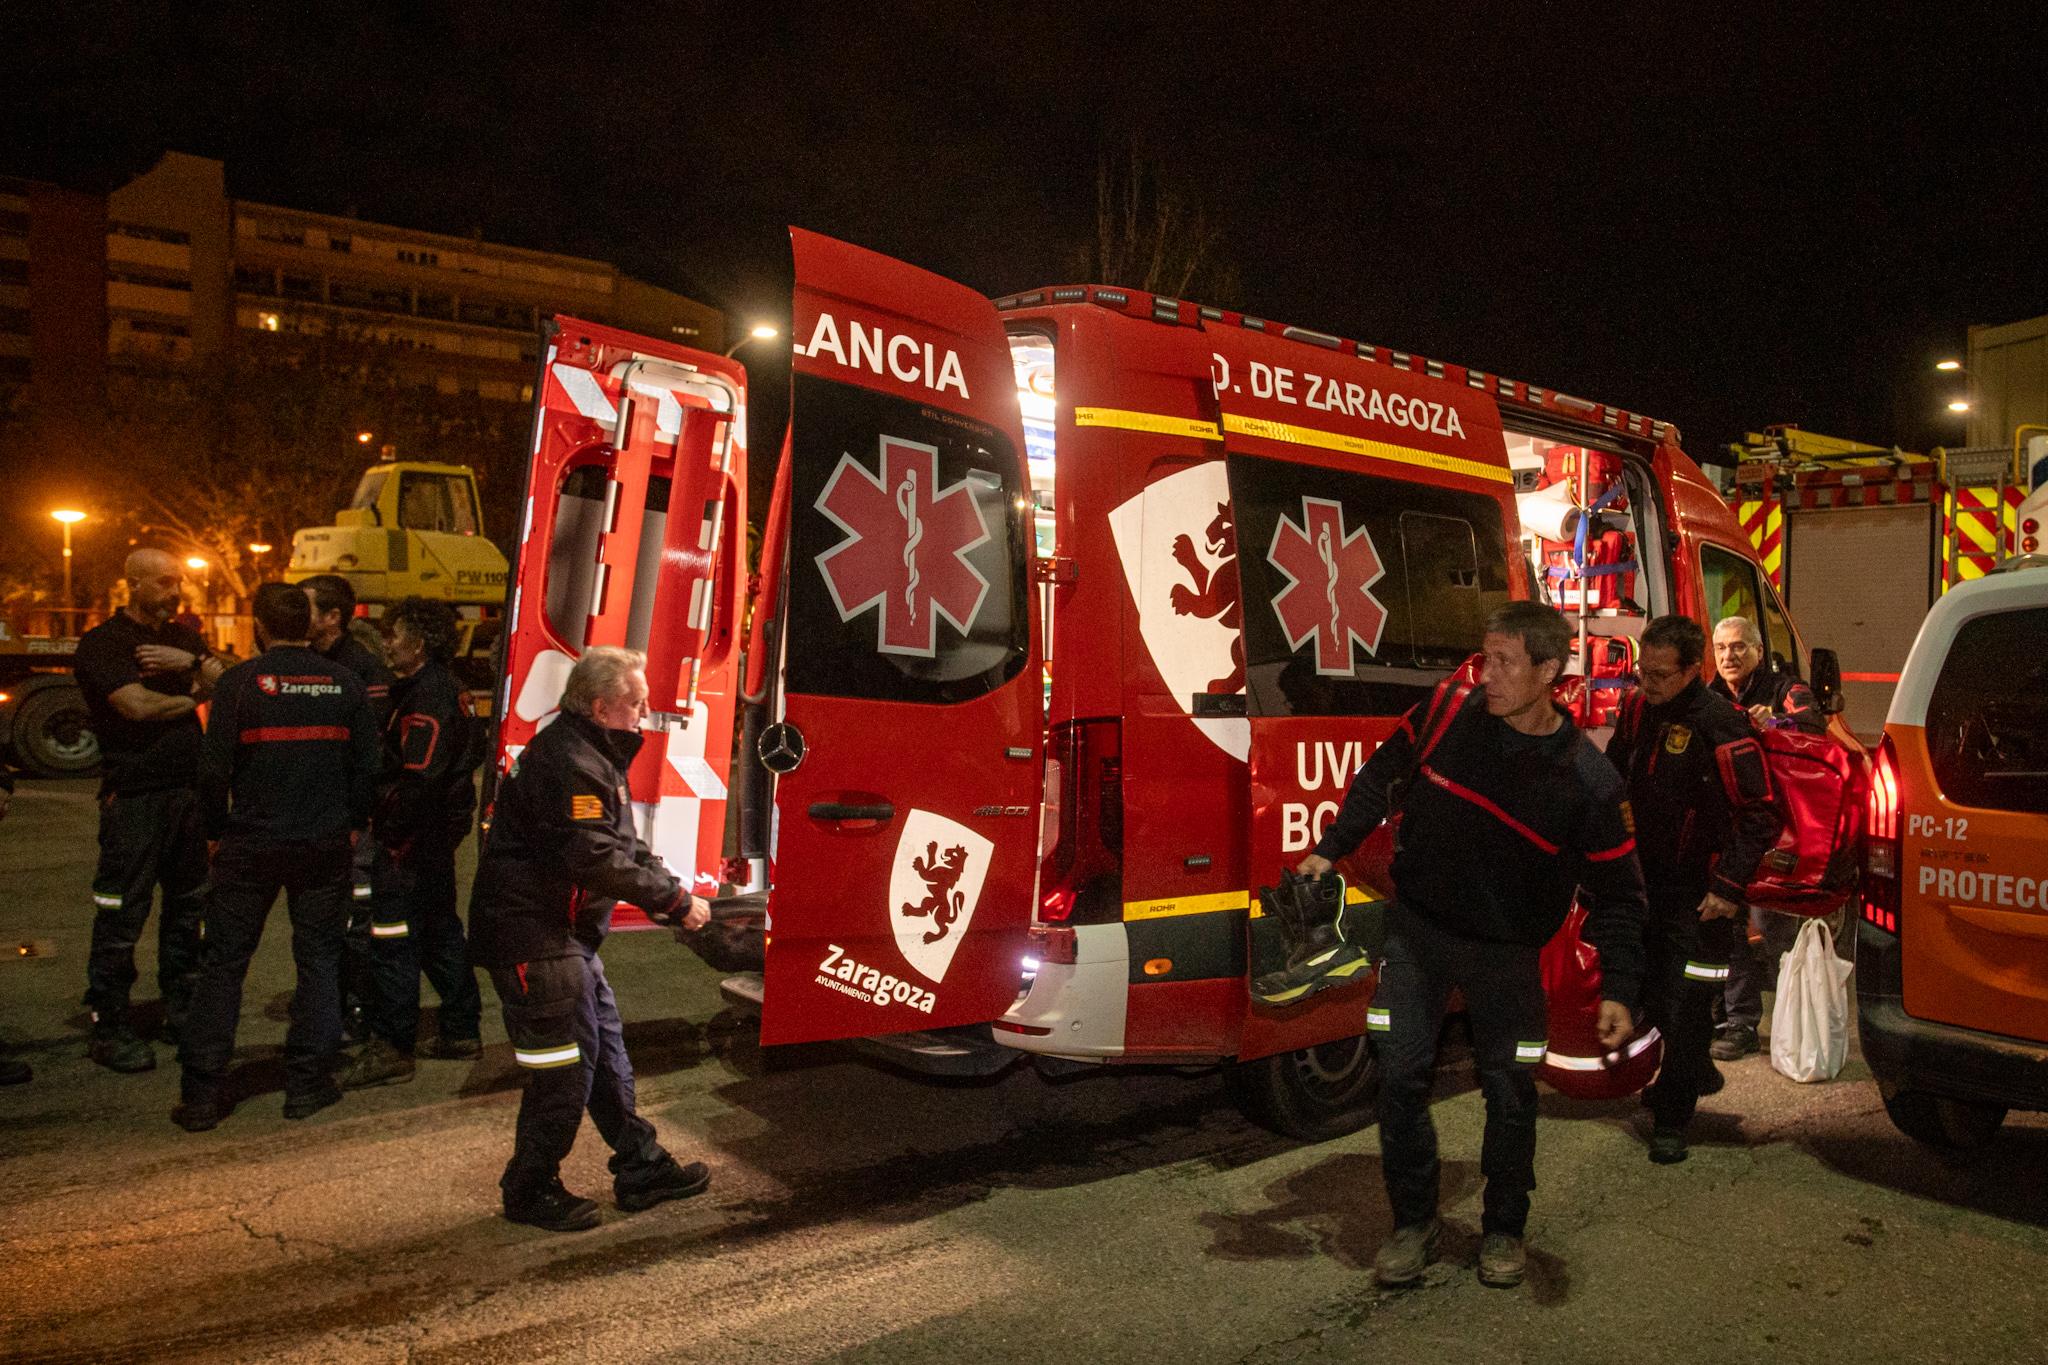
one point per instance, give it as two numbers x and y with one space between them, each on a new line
632 533
908 745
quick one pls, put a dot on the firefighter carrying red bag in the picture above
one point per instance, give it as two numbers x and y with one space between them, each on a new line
1705 818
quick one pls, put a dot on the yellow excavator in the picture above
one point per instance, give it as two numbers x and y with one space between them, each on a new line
413 529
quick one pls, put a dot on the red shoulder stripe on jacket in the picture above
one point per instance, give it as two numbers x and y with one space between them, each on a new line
1467 794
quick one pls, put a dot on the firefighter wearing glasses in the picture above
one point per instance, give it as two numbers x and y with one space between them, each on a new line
1704 820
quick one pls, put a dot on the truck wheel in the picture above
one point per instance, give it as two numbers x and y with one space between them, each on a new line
53 732
1315 1094
1942 1122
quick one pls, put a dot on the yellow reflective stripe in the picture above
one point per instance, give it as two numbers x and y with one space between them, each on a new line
1158 423
542 1058
1224 900
105 901
399 930
362 893
1359 445
1702 971
1379 1021
1187 905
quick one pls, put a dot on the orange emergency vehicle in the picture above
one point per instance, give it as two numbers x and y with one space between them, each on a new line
1952 951
1078 610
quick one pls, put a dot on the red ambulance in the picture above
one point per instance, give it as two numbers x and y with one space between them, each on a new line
1076 613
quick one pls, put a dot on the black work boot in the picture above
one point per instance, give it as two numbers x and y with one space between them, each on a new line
1502 1261
1733 1043
378 1063
115 1047
446 1049
1667 1146
198 1113
644 1188
1310 910
1403 1257
552 1207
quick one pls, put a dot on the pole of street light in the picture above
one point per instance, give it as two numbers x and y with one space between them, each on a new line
760 331
68 517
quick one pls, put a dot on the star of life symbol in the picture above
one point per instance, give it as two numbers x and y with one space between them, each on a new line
906 547
1328 597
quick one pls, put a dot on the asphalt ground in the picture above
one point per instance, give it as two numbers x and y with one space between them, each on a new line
864 1215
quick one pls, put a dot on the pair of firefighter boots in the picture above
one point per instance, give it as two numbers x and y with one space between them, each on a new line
1310 913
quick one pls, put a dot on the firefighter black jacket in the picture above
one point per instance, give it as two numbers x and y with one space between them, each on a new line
1498 830
1783 693
427 793
290 752
561 850
1704 811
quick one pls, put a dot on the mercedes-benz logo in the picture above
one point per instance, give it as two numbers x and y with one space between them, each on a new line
781 747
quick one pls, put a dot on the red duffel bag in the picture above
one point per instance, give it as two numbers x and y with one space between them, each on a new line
1574 1062
1819 789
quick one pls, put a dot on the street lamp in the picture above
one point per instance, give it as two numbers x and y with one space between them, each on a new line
760 331
1963 404
69 517
195 562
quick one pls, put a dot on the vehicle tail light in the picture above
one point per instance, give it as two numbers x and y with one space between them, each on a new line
1081 878
1882 844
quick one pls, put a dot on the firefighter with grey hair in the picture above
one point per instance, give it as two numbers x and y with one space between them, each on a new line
560 853
1768 696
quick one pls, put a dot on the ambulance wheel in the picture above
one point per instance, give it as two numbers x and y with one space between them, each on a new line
1315 1094
1946 1124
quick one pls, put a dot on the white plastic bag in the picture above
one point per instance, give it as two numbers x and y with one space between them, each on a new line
1810 1021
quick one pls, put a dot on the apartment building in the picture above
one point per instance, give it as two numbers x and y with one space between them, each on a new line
168 268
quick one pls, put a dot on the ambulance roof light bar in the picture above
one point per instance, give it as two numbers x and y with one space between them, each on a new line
1176 312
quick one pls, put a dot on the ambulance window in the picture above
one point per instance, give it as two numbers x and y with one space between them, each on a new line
1032 356
572 553
909 546
1731 587
1362 591
1441 562
1778 632
1987 720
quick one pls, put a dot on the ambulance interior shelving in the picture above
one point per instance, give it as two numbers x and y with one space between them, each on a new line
1585 515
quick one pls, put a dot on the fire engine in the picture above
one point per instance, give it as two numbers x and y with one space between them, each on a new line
1861 540
1076 612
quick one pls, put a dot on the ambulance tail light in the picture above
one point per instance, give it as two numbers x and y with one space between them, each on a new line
1882 844
1082 876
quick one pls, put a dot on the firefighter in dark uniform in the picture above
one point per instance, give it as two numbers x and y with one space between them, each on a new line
1705 816
334 607
285 783
1508 812
425 803
143 676
560 852
1768 696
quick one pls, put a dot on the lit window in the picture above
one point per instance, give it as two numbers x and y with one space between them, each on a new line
267 321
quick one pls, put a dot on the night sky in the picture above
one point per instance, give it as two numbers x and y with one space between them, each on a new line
1769 217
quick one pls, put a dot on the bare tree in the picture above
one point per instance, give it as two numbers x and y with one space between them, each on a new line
1152 233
